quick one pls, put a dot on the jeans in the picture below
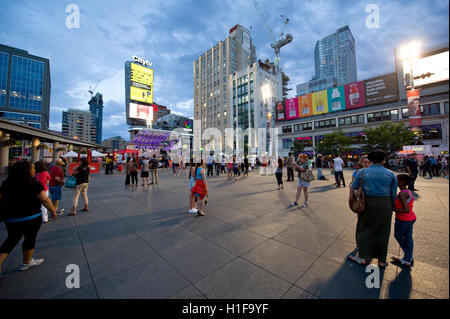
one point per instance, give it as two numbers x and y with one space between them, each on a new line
279 177
319 173
290 174
210 169
414 176
339 176
404 234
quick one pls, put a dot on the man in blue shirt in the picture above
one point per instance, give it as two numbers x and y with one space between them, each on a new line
411 168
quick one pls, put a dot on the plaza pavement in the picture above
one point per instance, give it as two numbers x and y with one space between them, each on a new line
142 243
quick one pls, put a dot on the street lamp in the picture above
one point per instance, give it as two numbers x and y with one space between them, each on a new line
266 92
409 53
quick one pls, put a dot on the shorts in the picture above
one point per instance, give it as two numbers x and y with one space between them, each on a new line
55 192
302 183
144 174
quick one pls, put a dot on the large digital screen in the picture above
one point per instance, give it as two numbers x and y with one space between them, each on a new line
429 69
141 80
382 89
143 112
141 95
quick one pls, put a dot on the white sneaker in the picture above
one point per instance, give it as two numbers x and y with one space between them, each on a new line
304 205
33 263
193 211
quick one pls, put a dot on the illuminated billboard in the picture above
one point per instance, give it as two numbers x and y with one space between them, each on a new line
430 69
354 95
336 99
382 89
138 91
320 102
141 95
281 112
141 74
143 112
305 105
292 108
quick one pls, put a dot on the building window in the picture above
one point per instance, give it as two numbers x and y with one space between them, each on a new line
405 113
303 127
325 123
382 116
351 120
446 107
287 143
287 129
430 109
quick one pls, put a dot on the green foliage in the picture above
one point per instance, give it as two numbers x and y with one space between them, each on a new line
390 137
297 147
335 142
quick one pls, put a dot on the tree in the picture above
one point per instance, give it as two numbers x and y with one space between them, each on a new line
336 142
297 147
390 137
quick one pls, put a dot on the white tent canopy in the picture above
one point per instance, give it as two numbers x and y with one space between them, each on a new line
70 154
97 154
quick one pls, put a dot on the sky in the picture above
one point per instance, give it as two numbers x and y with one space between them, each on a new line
173 33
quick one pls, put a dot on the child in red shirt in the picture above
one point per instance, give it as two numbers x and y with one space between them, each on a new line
404 220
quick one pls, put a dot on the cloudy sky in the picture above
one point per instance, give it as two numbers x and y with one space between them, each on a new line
173 33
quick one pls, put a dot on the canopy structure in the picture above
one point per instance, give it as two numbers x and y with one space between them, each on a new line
97 154
70 154
126 151
153 139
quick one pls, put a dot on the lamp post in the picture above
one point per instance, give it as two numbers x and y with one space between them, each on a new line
410 53
266 95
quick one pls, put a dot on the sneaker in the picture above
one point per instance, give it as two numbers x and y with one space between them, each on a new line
193 211
60 212
293 204
33 263
304 205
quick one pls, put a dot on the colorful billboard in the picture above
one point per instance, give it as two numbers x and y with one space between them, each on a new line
141 74
430 69
336 99
292 109
143 112
354 95
320 102
305 105
382 89
281 112
141 95
415 115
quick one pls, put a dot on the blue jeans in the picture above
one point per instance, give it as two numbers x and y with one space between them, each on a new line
319 173
404 234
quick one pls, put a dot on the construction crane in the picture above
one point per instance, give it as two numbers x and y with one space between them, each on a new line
92 90
277 43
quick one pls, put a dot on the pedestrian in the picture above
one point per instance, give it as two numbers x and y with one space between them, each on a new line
279 174
404 220
444 164
82 175
374 225
56 183
235 167
290 167
426 167
43 177
128 171
434 166
210 163
301 166
192 208
133 172
230 168
21 196
412 170
154 168
246 166
338 166
222 165
144 171
319 164
200 189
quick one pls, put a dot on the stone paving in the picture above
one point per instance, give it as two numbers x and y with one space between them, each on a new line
142 243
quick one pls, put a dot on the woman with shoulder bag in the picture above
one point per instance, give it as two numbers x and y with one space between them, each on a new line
82 182
302 167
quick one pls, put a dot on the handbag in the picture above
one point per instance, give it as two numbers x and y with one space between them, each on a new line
71 182
357 201
307 175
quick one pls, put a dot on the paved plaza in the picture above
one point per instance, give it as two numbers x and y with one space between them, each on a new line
142 243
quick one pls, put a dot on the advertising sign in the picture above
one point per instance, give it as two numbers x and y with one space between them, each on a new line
382 89
93 166
143 112
141 95
354 95
141 74
292 108
320 102
430 69
336 99
415 115
305 105
281 112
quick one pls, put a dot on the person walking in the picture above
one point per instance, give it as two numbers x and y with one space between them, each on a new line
338 166
444 164
235 168
222 165
426 167
56 183
290 167
246 166
133 172
412 170
144 171
404 220
230 168
279 174
128 171
21 196
319 164
301 166
210 163
374 225
434 166
43 177
82 175
200 189
192 208
154 168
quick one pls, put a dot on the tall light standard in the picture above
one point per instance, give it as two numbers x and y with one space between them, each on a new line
266 92
410 53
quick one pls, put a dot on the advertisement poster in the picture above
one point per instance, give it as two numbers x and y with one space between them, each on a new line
305 105
139 111
281 112
141 95
141 74
320 102
415 115
430 69
292 108
336 99
382 89
354 95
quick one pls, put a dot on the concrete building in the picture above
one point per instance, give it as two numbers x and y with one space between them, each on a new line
315 85
80 125
116 143
159 111
96 108
24 87
212 77
335 56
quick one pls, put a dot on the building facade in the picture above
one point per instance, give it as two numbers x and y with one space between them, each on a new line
24 87
212 73
159 111
115 143
80 125
172 121
96 109
335 56
315 85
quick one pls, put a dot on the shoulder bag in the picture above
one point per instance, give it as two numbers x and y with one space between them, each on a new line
357 201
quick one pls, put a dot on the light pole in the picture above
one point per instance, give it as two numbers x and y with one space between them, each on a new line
267 94
410 53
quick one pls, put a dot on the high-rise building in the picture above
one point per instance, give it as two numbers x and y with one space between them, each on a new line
81 125
335 56
315 85
116 143
96 108
24 87
212 71
159 111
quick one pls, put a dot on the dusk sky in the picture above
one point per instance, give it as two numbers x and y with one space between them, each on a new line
173 33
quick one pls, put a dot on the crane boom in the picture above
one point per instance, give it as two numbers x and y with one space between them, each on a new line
263 19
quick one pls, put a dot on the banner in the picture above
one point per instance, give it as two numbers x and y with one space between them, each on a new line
93 166
354 95
281 112
292 108
415 115
305 105
382 89
320 102
336 99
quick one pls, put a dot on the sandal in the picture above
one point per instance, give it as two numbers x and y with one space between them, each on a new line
85 210
356 260
200 213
